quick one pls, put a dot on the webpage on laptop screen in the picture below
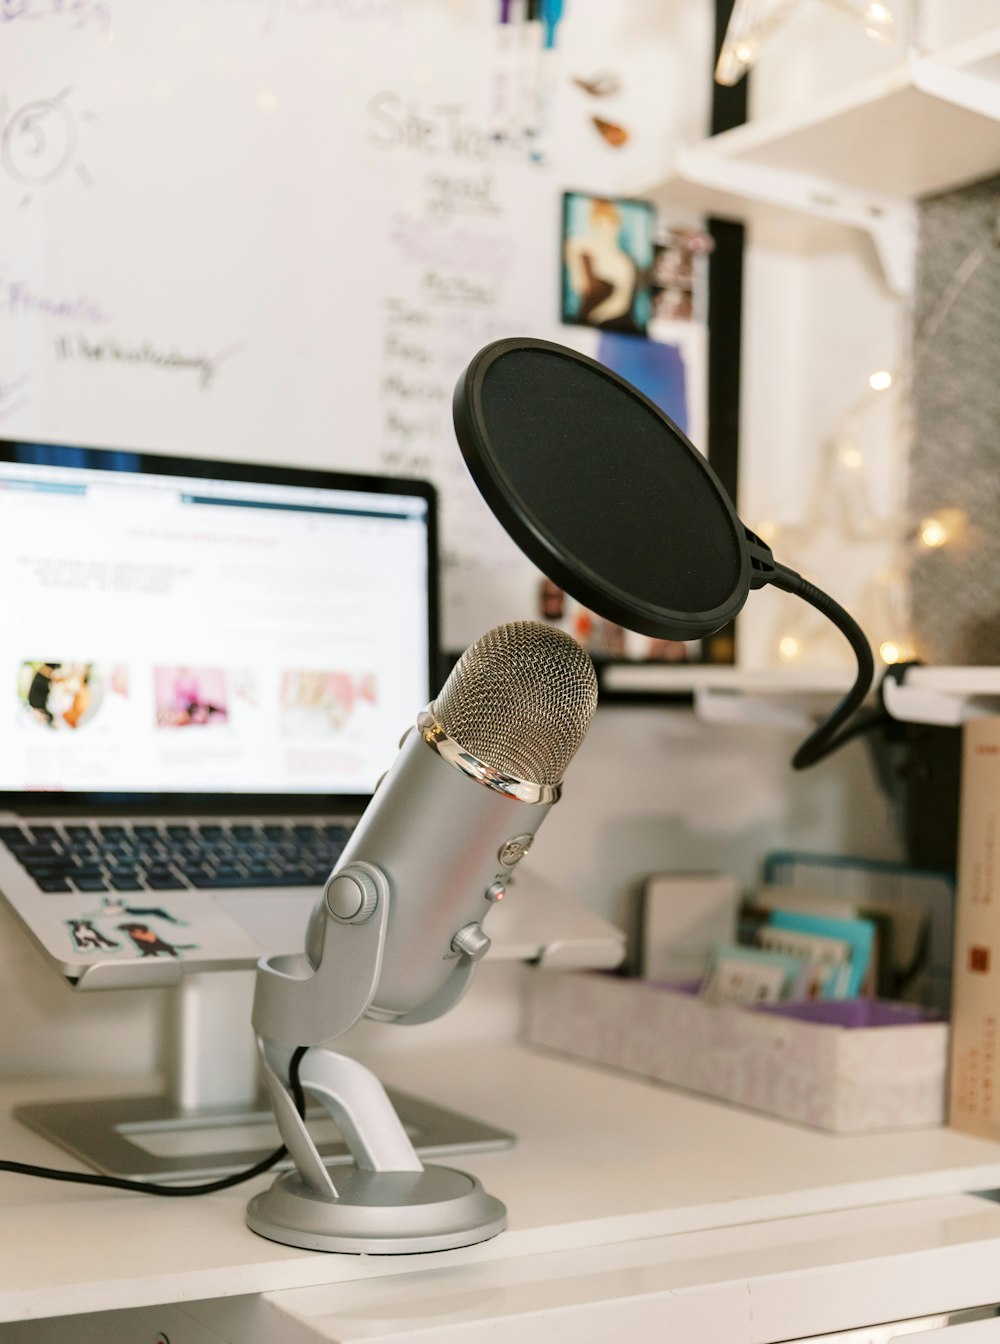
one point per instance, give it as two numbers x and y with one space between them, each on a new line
163 634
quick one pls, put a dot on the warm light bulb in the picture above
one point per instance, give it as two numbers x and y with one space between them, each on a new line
734 60
880 380
789 647
767 531
850 457
938 528
933 532
878 21
893 651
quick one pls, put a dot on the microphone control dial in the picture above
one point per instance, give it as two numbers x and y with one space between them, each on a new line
513 850
472 941
351 896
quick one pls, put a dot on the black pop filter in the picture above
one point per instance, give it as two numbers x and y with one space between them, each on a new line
611 501
602 490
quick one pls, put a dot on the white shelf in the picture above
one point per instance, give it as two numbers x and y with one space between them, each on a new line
945 696
783 698
795 698
690 678
791 698
860 156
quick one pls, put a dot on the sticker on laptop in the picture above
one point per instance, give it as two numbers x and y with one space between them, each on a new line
114 907
148 943
87 937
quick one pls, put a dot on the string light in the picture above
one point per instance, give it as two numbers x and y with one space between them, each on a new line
753 20
894 651
850 457
840 510
877 20
942 527
933 533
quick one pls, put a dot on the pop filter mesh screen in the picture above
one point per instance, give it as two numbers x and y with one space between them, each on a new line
609 482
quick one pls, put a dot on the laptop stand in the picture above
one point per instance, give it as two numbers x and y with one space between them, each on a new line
214 1118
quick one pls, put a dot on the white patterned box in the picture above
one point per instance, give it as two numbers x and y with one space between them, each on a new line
849 1066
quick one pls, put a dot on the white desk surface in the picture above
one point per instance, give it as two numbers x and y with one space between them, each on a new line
603 1158
791 1278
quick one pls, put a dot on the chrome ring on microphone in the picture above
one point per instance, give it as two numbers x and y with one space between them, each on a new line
523 790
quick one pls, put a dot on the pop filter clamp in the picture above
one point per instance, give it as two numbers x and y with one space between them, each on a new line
603 492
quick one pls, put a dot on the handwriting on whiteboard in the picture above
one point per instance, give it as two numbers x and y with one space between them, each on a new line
20 297
486 251
105 351
434 130
40 142
93 14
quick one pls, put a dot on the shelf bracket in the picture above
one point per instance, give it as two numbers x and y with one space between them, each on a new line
910 702
732 185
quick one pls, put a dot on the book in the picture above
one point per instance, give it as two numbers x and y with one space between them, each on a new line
974 1102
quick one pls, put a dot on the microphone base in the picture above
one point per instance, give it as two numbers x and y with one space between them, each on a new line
379 1212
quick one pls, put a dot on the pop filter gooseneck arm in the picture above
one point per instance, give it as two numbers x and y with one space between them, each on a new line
612 502
834 730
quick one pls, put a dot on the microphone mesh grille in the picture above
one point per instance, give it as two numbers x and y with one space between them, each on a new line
521 699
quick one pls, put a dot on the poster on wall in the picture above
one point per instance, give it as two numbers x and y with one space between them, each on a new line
607 253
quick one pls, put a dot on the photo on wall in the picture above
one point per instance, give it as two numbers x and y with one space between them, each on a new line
607 261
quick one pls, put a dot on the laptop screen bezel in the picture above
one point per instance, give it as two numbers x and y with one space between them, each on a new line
128 461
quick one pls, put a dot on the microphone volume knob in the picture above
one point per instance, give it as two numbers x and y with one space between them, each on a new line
472 941
351 896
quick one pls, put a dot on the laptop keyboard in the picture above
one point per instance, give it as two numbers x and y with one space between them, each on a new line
140 857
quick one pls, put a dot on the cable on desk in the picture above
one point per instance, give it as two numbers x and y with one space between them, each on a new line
176 1191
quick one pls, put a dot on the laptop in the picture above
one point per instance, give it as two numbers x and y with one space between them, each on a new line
205 667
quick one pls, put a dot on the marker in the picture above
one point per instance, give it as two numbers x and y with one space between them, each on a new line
532 39
505 73
551 13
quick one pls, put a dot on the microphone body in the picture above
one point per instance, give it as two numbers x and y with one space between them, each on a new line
457 810
439 836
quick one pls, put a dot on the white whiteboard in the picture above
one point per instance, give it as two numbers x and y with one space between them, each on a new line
277 230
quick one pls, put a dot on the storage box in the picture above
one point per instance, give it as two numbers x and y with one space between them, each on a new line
846 1066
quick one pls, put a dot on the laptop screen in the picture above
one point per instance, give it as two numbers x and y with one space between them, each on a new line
172 628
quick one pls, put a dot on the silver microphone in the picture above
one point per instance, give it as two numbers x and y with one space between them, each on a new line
461 805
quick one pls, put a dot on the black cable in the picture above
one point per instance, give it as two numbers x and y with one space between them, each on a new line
176 1191
832 733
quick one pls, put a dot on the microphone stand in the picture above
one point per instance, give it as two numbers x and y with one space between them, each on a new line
387 1202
